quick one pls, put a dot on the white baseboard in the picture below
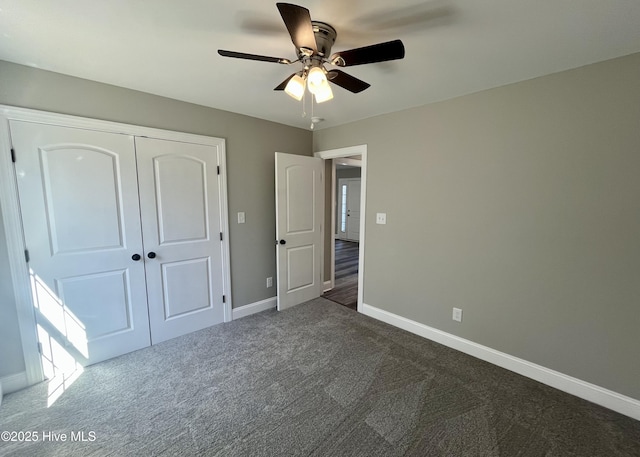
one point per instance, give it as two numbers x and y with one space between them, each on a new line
587 391
252 308
14 382
326 286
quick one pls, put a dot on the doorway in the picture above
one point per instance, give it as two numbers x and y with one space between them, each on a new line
344 248
346 232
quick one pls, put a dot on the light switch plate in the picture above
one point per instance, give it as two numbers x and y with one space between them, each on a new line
381 218
241 217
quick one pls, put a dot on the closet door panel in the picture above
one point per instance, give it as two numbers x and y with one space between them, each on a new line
179 195
80 213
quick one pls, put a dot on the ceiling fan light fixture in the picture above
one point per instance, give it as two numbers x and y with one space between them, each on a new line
324 93
316 79
295 87
313 41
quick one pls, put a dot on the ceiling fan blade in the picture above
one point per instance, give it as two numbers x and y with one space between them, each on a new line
283 84
242 55
381 52
346 81
298 22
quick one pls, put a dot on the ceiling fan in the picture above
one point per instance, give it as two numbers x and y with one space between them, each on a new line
313 41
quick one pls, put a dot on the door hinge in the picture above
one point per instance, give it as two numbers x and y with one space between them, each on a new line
26 255
13 155
220 236
224 299
39 347
218 169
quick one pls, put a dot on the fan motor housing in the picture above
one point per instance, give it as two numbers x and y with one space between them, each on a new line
325 37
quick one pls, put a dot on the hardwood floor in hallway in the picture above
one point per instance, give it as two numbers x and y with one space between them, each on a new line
345 291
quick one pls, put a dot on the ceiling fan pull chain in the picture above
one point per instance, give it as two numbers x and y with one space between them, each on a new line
304 104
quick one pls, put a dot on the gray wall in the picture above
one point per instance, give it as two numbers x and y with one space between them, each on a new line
351 172
521 205
250 145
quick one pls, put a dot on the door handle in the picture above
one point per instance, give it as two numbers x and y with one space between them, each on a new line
136 257
283 242
151 255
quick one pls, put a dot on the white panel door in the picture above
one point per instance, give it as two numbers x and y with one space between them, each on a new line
353 209
180 209
349 208
78 199
299 212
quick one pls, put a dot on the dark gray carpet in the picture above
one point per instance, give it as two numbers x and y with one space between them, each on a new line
315 380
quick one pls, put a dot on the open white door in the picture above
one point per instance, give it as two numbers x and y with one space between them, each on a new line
299 212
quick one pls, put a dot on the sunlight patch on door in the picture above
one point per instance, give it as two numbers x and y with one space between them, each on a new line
62 339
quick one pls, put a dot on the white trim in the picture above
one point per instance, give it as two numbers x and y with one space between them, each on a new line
252 308
350 162
13 383
44 117
343 152
15 248
333 228
13 225
224 222
328 285
587 391
360 150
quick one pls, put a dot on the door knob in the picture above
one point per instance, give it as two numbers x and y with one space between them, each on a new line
151 255
283 242
136 257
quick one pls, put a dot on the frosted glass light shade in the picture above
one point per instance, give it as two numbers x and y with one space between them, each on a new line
324 93
315 79
295 87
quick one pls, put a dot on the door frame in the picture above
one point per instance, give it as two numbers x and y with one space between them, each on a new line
359 150
13 223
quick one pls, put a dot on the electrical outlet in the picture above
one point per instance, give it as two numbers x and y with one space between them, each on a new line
269 281
381 218
457 314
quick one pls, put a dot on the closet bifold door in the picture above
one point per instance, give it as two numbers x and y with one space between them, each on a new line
78 197
181 226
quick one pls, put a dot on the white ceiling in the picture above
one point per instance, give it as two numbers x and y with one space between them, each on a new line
453 47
